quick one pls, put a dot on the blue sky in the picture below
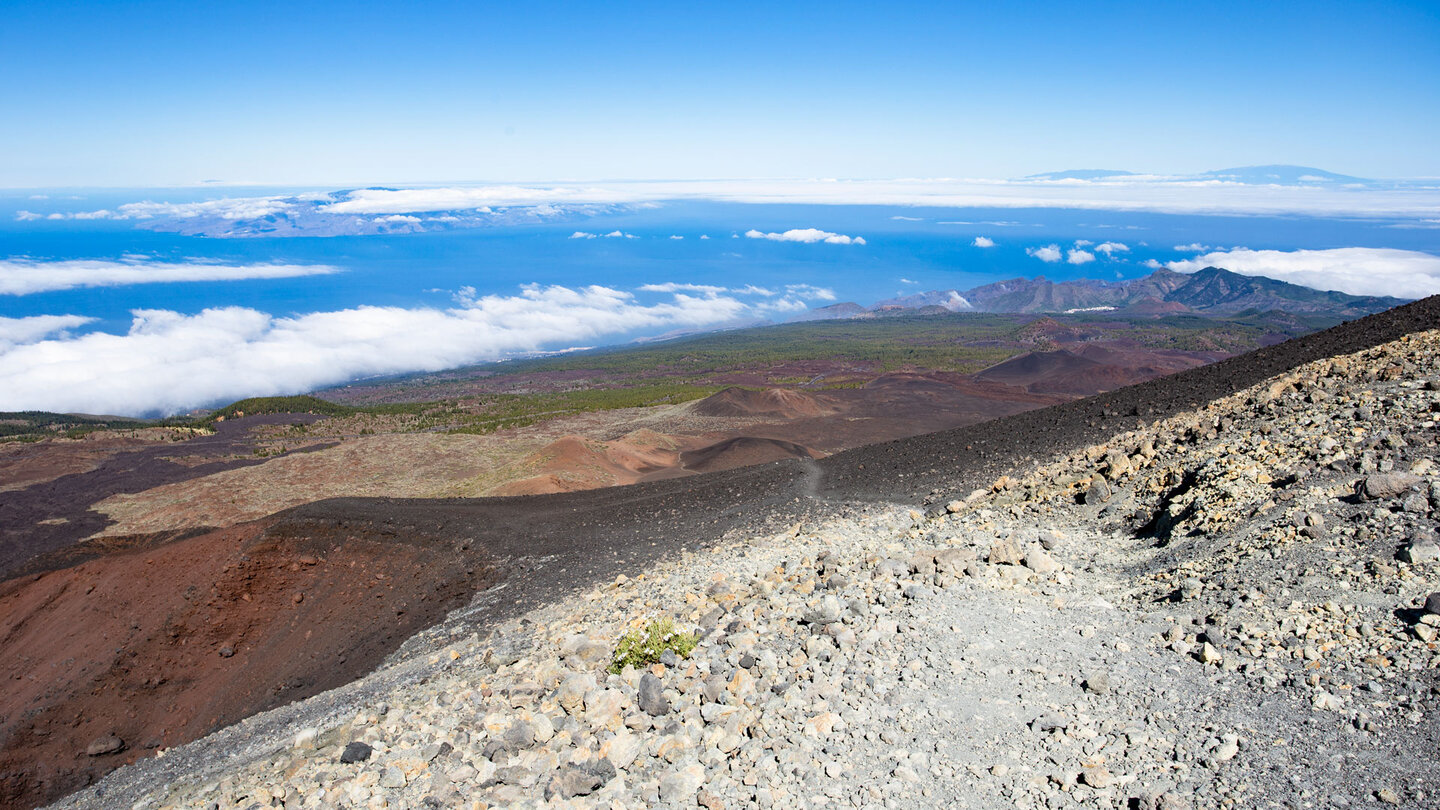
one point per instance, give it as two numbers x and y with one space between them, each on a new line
162 94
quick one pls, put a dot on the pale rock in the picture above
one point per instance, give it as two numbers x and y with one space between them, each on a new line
680 785
1005 551
1038 561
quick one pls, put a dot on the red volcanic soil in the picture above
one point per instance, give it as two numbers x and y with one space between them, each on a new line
161 645
742 451
54 511
1087 370
902 404
779 403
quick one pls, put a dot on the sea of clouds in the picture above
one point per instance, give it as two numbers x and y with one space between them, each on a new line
168 362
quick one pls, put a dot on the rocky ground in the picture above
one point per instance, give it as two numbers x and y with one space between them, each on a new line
1229 607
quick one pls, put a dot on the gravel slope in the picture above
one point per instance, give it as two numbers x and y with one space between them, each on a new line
875 678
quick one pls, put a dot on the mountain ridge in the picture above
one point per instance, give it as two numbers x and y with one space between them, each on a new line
1212 291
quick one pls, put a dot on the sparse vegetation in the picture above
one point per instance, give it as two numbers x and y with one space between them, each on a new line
817 355
31 426
641 648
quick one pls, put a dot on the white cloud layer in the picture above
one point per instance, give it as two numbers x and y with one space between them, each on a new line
28 330
169 362
1358 271
1048 253
983 242
810 292
705 289
22 276
1079 257
1136 193
807 236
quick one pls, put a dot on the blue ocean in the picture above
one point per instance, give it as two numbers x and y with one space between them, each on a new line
906 250
146 302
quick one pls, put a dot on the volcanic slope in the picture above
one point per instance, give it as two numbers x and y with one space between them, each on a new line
1222 621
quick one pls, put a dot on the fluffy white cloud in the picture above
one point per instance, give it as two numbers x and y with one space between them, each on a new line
35 327
983 242
1079 257
1048 253
807 236
810 292
24 276
1193 247
169 361
1083 243
620 235
1358 271
1111 248
676 236
583 235
1152 264
908 281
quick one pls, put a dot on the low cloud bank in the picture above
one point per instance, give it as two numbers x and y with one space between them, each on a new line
1358 271
170 362
26 276
483 203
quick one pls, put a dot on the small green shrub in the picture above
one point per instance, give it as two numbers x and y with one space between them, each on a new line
642 648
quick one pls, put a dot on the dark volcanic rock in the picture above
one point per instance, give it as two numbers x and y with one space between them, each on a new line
580 780
1098 491
651 701
109 744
